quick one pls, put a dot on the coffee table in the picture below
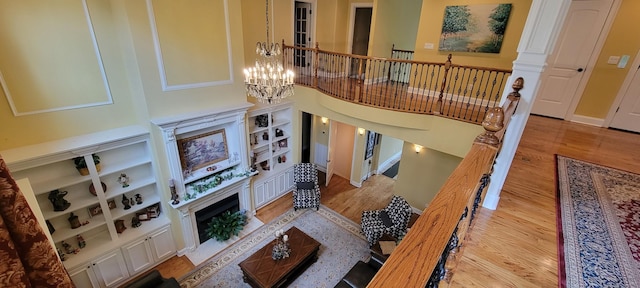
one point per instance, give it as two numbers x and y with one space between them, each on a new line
260 270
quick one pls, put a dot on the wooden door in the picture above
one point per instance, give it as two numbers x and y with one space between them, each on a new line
302 34
627 116
576 45
360 38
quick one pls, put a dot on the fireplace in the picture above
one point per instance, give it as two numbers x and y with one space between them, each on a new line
203 216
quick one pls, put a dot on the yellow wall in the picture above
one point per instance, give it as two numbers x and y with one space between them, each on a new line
421 175
389 17
606 79
430 28
389 147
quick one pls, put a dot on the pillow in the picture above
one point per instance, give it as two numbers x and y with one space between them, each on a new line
306 185
386 220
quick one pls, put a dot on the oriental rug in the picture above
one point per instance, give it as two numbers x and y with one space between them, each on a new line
598 225
341 246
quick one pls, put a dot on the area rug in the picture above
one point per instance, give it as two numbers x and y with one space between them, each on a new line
341 247
598 225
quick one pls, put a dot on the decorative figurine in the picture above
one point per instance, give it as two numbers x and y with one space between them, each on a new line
174 194
73 220
50 227
120 226
59 203
62 255
123 180
70 250
125 202
138 199
265 136
81 242
135 222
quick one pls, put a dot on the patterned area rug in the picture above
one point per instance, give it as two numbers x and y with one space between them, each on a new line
341 247
598 225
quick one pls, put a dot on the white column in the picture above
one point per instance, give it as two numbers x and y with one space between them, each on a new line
541 30
187 229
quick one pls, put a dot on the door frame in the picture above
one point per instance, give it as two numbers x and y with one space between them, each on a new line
352 19
622 91
597 49
314 8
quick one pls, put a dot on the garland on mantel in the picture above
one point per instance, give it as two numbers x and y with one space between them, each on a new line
211 181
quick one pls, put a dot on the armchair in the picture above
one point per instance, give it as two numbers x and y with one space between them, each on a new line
392 220
306 193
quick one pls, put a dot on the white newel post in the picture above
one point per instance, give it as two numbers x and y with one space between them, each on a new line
541 30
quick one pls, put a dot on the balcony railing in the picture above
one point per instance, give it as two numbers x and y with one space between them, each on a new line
454 91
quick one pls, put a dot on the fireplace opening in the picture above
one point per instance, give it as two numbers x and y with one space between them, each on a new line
203 216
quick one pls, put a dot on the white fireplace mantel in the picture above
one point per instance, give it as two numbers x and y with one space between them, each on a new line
232 120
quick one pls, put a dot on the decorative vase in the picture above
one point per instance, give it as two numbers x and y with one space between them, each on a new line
74 221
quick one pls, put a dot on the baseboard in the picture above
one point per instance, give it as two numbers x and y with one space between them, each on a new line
182 252
416 210
598 122
357 184
390 162
322 169
491 202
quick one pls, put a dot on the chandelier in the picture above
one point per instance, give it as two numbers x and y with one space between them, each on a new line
267 80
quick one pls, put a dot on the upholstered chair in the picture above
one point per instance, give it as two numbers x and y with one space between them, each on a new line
391 220
306 193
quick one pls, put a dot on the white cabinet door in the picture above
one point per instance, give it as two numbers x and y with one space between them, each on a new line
281 183
270 188
161 244
260 195
138 255
289 179
111 269
83 276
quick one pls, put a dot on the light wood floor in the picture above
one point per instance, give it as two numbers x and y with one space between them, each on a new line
515 245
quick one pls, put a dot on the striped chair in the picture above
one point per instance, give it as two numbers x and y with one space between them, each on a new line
306 193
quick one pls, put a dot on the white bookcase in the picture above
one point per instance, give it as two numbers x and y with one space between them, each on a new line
270 148
104 261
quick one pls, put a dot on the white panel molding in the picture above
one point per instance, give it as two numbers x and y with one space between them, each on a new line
160 62
14 109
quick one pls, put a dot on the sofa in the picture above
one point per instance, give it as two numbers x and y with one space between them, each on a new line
153 279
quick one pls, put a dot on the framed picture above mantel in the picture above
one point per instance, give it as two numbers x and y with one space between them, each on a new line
203 150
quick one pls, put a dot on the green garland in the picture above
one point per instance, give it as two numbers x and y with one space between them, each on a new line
211 181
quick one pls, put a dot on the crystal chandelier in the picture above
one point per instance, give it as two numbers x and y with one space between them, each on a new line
267 80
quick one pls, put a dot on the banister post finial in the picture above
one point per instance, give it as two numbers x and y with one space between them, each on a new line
517 86
493 122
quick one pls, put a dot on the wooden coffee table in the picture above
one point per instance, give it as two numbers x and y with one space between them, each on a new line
260 270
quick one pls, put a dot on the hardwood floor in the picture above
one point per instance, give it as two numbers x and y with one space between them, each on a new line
515 245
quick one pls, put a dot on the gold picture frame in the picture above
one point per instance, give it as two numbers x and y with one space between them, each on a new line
203 150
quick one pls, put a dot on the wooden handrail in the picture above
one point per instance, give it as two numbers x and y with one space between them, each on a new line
424 255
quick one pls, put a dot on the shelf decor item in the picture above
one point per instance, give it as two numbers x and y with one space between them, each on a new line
120 226
81 164
123 179
154 210
50 227
203 150
74 221
262 120
92 189
135 222
174 194
81 242
138 199
126 202
226 225
57 200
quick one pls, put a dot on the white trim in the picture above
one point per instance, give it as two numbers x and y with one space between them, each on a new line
416 210
352 20
622 91
389 162
160 62
593 59
96 49
357 184
598 122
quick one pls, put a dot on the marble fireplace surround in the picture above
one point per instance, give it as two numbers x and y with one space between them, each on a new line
232 120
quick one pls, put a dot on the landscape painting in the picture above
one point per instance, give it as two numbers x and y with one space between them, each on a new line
474 28
203 150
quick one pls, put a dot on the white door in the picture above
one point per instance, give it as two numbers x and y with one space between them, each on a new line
561 81
303 34
138 256
628 115
162 245
111 269
84 277
333 132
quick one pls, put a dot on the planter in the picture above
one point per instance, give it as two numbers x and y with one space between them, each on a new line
85 171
